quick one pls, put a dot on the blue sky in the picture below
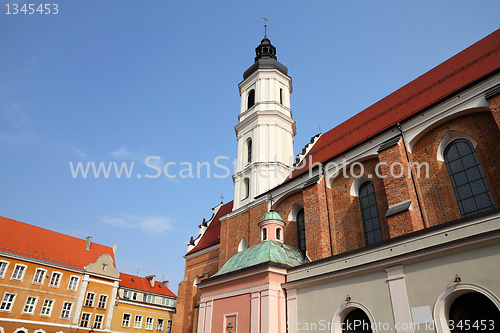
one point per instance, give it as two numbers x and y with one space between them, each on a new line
118 81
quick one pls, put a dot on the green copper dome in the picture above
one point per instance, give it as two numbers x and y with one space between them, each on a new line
269 252
272 215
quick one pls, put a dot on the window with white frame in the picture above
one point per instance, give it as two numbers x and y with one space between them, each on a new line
29 307
7 301
98 321
3 268
138 321
73 283
159 325
47 307
369 213
85 320
130 295
55 279
126 320
66 310
467 177
18 273
102 301
149 323
149 299
89 300
39 275
169 326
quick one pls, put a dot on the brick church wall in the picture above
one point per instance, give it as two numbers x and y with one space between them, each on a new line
347 225
437 193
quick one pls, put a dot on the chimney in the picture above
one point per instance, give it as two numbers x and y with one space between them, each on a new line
89 241
165 283
151 279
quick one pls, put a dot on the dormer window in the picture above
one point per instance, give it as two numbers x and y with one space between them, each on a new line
251 99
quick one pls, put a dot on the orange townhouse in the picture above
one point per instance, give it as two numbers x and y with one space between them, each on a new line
144 305
51 282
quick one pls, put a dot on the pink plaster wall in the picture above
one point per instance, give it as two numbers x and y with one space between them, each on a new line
237 304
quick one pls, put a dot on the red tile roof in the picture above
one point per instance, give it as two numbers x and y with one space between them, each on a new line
466 68
140 283
27 240
212 234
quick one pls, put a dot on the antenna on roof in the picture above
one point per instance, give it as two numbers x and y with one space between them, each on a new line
222 198
138 271
265 26
319 126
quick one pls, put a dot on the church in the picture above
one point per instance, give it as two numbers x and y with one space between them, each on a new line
387 222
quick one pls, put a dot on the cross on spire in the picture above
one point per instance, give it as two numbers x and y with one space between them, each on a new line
270 200
265 26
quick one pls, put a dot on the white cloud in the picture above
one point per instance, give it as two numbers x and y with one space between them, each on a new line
81 154
122 153
147 224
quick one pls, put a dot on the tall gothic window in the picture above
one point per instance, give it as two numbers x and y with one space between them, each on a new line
301 231
249 150
251 99
471 189
369 213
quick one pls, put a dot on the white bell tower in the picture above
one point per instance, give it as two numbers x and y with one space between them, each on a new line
266 128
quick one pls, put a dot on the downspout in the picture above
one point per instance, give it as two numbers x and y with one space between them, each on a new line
412 176
327 210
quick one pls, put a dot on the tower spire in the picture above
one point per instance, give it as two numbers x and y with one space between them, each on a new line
265 26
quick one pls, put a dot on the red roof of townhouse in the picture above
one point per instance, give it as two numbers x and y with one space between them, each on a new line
140 283
212 234
27 240
464 69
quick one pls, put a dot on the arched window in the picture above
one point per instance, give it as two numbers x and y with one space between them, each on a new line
473 308
243 244
249 151
369 213
246 188
264 233
467 178
301 231
278 234
251 99
357 321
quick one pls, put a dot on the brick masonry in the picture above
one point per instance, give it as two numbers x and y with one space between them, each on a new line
436 191
186 317
347 222
437 197
399 189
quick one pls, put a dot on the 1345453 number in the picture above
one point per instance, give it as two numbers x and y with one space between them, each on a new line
47 8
